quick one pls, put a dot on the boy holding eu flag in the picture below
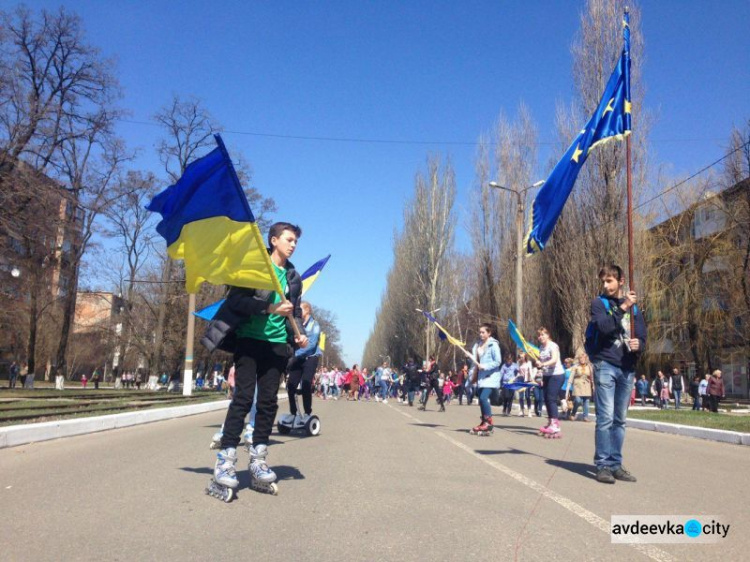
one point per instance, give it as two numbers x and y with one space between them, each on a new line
614 353
256 326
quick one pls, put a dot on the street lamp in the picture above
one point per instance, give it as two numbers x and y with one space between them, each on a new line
520 209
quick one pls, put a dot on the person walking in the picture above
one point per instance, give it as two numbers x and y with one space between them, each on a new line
715 390
614 353
641 387
508 373
486 374
13 374
695 385
461 379
582 387
676 386
703 392
525 370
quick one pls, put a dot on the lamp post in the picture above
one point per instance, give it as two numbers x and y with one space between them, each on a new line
520 210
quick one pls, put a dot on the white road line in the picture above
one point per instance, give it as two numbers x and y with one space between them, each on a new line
593 519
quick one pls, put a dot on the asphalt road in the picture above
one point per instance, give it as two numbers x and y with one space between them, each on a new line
381 482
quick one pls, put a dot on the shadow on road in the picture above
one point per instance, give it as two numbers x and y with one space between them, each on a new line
428 424
583 469
510 451
202 470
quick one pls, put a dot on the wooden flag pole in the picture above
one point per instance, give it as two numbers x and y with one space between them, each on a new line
631 280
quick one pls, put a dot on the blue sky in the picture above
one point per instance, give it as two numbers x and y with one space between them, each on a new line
428 71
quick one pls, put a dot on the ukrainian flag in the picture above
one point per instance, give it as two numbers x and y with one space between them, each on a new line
322 341
311 274
529 349
207 222
611 120
442 332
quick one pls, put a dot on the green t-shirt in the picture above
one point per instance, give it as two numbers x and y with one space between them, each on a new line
267 327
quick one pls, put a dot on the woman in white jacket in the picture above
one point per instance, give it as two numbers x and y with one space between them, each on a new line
486 372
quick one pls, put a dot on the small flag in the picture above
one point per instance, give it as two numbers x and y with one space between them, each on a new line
322 341
207 222
210 311
529 349
442 332
311 274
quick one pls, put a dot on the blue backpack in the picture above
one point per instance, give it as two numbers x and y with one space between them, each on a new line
593 345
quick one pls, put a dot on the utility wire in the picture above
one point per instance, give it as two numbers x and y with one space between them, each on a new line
359 140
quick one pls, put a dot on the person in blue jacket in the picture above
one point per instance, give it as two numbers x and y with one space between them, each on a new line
614 353
303 365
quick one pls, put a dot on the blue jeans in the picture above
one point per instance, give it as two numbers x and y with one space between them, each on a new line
697 402
538 400
677 396
577 401
613 386
383 390
484 401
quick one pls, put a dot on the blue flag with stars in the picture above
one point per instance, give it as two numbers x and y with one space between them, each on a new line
611 120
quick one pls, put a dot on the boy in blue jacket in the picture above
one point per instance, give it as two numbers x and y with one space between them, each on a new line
614 354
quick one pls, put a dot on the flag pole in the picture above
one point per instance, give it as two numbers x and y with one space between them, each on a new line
631 276
256 233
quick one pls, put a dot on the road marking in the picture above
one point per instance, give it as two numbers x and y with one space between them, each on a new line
578 510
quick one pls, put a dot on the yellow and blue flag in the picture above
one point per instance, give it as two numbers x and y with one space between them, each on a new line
308 278
311 274
611 120
529 349
322 341
207 222
442 332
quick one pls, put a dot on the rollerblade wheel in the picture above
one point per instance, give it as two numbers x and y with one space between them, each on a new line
283 429
274 489
313 426
229 494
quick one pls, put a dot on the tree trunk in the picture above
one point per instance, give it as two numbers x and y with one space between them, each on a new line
69 308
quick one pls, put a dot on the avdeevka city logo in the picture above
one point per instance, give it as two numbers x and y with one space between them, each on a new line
693 528
668 529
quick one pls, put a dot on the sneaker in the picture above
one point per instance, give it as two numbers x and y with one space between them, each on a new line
385 401
530 415
521 415
604 475
624 475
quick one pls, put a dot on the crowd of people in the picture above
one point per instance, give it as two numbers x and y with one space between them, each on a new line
706 392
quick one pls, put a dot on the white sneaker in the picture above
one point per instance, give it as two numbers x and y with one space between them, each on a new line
521 414
303 418
385 401
529 413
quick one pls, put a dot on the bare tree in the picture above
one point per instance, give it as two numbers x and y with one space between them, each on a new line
50 75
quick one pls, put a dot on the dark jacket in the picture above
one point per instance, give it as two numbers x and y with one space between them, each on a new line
608 325
241 303
411 372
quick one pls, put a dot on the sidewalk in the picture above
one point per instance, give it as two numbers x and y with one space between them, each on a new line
15 435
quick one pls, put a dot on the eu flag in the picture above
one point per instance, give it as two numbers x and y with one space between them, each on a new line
207 222
611 120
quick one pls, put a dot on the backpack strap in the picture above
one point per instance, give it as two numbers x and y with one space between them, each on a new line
608 308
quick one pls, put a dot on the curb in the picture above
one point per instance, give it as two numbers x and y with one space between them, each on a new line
723 436
15 435
720 435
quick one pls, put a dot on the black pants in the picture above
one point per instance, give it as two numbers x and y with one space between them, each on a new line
552 385
255 362
506 398
461 390
714 402
433 385
301 370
